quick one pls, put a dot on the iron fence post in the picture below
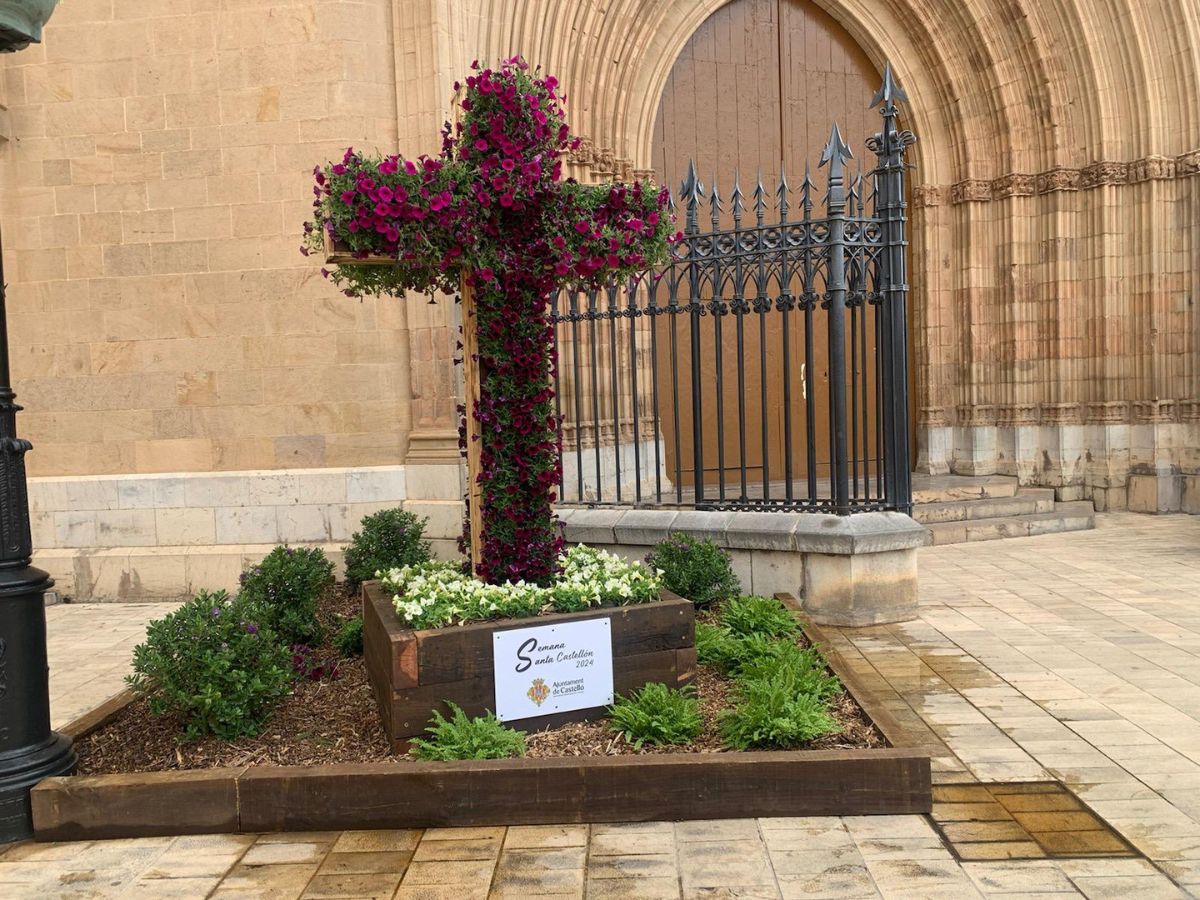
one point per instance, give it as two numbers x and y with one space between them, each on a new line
835 155
889 146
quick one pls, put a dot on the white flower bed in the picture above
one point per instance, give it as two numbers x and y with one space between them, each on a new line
435 594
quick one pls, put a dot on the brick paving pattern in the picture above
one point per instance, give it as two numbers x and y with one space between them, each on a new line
1072 657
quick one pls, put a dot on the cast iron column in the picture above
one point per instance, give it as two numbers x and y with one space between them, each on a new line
29 750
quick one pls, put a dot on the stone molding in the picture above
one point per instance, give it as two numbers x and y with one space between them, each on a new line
1059 179
873 532
1102 413
852 570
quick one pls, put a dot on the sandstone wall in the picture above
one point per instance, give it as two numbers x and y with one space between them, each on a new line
154 180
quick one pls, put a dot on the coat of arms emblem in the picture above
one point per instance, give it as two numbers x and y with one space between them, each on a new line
538 691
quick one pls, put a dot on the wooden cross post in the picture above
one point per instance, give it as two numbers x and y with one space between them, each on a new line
470 342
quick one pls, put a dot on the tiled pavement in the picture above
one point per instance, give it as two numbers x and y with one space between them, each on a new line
90 647
1072 656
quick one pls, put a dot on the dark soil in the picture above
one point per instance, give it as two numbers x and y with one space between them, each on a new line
336 721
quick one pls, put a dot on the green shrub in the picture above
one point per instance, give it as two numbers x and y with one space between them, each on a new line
460 737
694 569
758 615
213 665
656 714
772 714
783 662
287 586
349 638
388 539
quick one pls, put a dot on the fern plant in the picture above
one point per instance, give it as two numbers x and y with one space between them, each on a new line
461 737
758 615
802 670
656 714
771 714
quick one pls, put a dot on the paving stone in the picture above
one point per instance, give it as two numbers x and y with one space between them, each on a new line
1023 877
374 885
1027 849
639 888
626 843
647 866
538 836
471 848
1079 843
377 841
1145 887
846 881
460 871
724 864
275 853
362 863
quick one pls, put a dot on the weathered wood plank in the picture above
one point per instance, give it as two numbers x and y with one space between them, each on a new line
456 654
607 789
97 718
97 807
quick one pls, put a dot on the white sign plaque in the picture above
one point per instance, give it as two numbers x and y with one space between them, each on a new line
553 668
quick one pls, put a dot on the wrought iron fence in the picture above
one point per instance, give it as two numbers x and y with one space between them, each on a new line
764 367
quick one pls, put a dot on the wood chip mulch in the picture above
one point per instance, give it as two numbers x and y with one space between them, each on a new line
336 722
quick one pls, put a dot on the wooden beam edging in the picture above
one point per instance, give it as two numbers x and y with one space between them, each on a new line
867 698
409 794
95 719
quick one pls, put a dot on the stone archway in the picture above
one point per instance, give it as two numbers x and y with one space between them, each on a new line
1057 153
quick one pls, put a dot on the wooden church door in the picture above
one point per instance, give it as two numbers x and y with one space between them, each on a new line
760 83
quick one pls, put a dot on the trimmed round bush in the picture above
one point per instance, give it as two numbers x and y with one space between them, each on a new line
697 570
286 587
388 539
214 666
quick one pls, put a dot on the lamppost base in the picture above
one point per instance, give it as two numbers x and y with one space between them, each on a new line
29 750
20 770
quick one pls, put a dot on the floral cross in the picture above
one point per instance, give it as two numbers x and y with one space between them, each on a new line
491 217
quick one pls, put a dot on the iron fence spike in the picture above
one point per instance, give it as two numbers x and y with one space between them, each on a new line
836 153
890 91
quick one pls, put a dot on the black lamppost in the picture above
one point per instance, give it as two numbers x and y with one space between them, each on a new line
29 750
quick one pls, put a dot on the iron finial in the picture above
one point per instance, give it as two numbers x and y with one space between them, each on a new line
890 91
835 153
735 198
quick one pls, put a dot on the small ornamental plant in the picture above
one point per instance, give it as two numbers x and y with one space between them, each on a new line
770 714
213 666
491 212
348 641
696 570
385 540
657 714
286 587
462 737
437 594
758 615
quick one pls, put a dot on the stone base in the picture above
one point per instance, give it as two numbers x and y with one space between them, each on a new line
850 570
1133 465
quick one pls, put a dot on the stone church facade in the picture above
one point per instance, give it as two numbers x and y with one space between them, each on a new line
195 390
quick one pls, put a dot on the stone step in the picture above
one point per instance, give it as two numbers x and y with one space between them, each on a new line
1075 516
947 488
1025 502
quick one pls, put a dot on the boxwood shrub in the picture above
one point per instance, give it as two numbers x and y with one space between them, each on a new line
214 666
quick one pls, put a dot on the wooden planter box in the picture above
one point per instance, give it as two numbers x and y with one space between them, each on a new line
413 673
410 794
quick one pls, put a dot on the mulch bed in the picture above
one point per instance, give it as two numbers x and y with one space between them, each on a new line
336 722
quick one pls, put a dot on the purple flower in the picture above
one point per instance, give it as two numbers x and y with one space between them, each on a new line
216 612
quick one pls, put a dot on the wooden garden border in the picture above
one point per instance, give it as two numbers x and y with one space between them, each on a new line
410 794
